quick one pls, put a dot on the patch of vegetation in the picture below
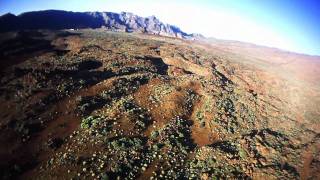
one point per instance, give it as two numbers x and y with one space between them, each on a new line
124 86
126 143
200 118
159 92
154 134
91 121
226 116
87 104
191 97
137 115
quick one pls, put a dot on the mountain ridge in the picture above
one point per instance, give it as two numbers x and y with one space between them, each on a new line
60 19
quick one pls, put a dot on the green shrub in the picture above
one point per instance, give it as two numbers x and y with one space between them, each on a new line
126 144
90 121
200 116
202 124
154 134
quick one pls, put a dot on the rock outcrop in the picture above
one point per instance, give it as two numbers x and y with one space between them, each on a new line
56 19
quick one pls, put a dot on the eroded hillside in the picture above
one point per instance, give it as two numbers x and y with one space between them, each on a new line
99 105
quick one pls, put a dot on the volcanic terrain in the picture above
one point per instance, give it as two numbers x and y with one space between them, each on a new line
96 104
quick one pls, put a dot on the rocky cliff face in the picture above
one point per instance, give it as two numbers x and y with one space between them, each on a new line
56 19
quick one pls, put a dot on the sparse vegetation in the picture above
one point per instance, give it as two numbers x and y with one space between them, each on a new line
90 121
119 106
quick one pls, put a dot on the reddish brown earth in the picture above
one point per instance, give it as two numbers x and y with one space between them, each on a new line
97 105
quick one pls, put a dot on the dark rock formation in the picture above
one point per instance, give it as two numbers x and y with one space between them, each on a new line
56 19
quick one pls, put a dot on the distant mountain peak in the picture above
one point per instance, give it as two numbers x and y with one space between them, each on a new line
7 15
58 19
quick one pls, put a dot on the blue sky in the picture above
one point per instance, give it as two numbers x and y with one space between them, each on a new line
292 25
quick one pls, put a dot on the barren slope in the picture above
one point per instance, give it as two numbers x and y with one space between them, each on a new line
98 105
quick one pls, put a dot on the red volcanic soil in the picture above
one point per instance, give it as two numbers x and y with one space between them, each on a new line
94 104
